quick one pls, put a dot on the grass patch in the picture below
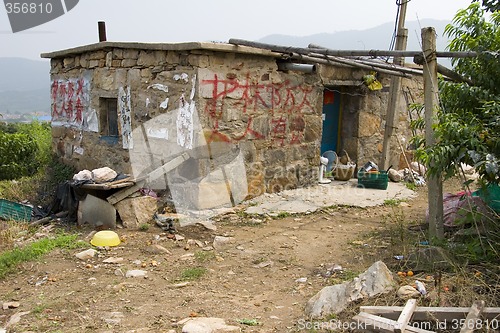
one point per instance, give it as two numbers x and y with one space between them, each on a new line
392 202
10 259
144 227
193 273
204 256
411 186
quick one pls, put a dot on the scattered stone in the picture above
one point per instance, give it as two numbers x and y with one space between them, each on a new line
137 262
395 175
178 237
156 249
264 264
136 273
187 256
87 254
112 260
10 305
221 241
207 248
16 318
179 285
113 318
207 225
407 292
207 325
374 281
301 280
274 317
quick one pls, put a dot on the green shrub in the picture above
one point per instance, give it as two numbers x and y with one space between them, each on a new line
18 153
24 149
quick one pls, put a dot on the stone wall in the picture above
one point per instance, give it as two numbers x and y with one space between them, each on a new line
225 111
213 105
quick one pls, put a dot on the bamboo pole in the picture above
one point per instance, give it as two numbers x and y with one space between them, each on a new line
348 53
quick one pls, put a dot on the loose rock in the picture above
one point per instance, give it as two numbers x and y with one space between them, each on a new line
87 254
136 273
207 325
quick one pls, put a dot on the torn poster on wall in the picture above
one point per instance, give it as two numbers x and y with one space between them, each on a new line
185 123
69 101
124 110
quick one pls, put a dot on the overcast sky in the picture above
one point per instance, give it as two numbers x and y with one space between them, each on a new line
209 20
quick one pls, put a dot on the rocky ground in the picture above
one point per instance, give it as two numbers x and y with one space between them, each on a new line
254 272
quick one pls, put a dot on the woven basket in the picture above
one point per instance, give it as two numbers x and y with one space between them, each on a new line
343 171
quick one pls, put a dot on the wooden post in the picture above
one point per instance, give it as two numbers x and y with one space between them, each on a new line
391 118
434 183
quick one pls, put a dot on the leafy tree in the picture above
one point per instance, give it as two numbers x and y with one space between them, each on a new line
469 118
490 5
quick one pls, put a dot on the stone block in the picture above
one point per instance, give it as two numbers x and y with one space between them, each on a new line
201 61
116 63
118 54
130 54
172 57
97 55
68 62
93 63
128 62
136 211
369 124
146 59
109 59
313 128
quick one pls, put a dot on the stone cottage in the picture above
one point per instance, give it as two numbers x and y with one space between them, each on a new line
240 118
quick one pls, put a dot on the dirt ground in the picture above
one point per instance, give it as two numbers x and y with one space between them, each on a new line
253 276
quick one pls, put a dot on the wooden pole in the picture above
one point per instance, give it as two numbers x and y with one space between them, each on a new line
434 183
390 118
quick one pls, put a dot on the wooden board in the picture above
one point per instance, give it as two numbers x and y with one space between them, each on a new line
430 313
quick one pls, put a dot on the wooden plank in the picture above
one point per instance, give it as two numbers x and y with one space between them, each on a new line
120 195
430 313
470 321
381 324
405 316
165 168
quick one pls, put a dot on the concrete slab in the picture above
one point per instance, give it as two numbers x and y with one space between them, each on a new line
310 199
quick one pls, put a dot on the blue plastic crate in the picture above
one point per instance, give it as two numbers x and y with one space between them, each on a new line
14 211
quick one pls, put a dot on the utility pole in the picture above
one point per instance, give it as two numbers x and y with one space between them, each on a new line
434 183
391 116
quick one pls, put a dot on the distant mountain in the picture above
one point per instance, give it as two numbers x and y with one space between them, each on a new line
19 74
24 86
27 101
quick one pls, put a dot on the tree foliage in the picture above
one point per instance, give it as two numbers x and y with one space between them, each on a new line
469 119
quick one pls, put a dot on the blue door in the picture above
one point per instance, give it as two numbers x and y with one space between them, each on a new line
331 121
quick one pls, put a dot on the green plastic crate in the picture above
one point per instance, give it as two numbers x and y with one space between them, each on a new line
378 180
14 211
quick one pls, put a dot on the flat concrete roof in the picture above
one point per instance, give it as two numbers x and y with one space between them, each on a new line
210 46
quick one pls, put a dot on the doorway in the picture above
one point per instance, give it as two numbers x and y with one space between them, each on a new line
330 138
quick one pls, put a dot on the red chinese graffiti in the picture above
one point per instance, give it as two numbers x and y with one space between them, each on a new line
285 102
69 99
